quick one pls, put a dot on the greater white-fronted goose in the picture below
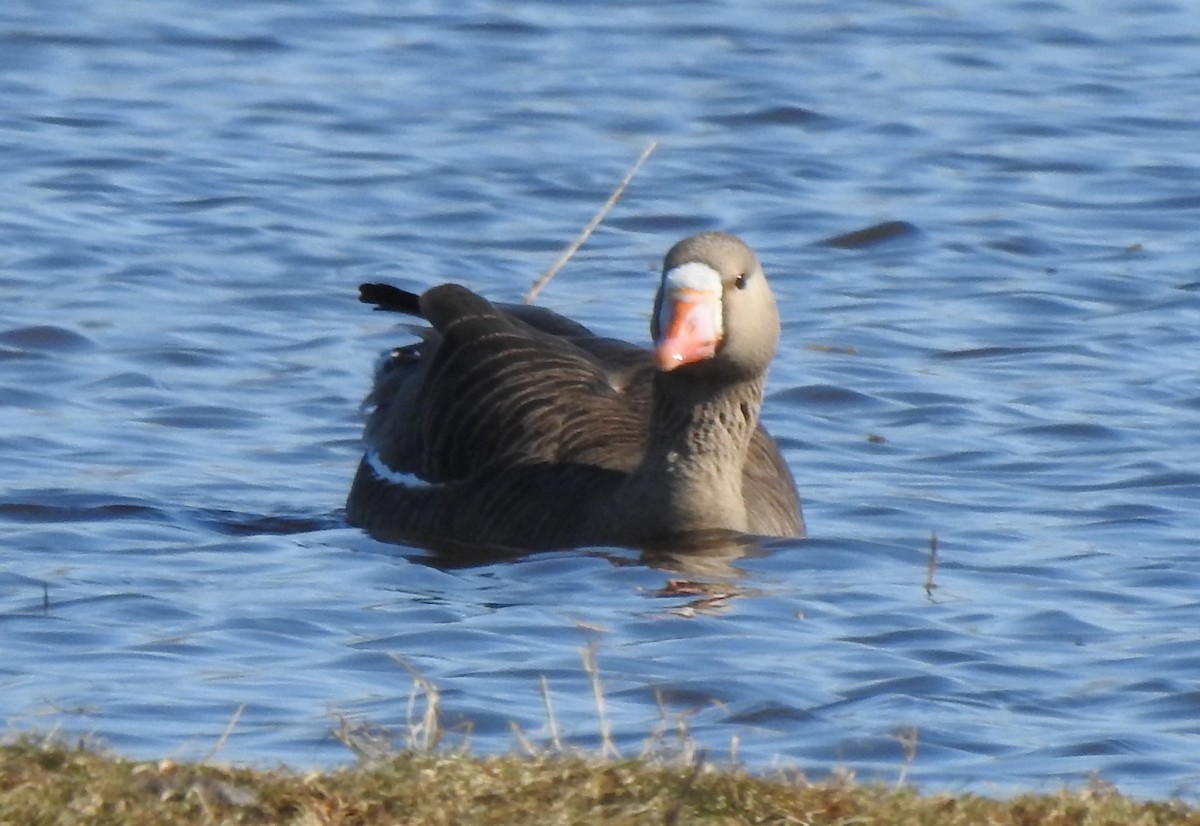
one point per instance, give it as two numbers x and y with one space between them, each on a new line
513 426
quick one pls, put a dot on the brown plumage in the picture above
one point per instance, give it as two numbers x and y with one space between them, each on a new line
514 426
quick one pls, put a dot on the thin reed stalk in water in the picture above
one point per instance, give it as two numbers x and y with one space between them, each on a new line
571 248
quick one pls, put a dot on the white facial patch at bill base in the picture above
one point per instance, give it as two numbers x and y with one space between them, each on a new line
691 278
385 474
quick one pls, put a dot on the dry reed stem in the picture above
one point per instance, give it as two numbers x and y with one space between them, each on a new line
524 742
551 721
572 247
588 655
422 735
220 744
908 738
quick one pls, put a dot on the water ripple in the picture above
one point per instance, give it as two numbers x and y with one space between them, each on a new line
980 228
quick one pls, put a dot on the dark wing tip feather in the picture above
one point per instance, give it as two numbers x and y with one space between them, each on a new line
389 298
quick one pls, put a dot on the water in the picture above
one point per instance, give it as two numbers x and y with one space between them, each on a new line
192 195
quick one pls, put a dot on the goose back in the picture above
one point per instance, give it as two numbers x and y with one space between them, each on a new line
486 390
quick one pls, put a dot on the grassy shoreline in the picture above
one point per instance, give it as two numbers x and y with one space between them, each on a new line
43 782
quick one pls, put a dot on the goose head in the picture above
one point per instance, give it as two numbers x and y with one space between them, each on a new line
714 313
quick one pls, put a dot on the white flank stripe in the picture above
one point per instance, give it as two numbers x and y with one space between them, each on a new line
386 474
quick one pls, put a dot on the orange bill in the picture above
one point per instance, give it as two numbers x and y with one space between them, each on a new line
689 328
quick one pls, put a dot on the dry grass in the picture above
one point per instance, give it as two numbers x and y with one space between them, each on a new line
411 778
43 783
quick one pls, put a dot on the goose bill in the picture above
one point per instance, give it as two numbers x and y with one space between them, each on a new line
690 328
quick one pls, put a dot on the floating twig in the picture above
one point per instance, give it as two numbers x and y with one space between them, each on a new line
570 249
931 568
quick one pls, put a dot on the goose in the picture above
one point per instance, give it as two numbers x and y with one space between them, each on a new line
512 426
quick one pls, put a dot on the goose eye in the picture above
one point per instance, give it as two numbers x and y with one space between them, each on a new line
740 283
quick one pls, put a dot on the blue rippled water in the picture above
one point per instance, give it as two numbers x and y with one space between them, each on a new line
193 194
